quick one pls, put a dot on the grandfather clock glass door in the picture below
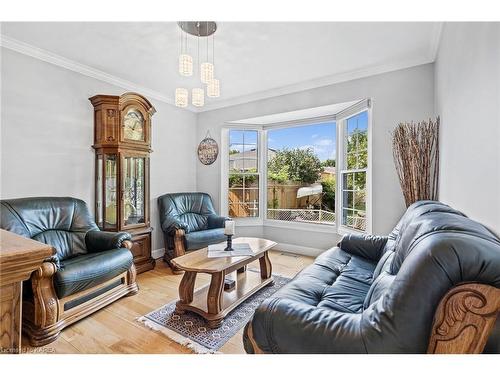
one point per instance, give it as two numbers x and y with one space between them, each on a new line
110 191
134 195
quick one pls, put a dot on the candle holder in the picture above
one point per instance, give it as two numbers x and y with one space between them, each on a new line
229 246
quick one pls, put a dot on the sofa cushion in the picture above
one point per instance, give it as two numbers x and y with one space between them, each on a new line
336 281
349 290
203 238
85 271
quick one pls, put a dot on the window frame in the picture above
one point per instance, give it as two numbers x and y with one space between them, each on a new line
341 168
340 120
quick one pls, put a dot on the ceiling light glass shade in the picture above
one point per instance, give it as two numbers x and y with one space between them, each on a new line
181 97
213 88
207 72
185 65
198 97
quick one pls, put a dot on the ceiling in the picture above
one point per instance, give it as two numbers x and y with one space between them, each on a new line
253 60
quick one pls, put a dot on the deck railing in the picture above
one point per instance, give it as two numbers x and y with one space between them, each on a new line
303 215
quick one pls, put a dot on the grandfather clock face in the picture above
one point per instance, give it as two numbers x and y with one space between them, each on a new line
133 123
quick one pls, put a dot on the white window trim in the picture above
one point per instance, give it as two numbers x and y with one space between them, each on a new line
262 220
341 124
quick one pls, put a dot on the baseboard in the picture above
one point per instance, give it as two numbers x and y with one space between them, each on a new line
297 249
157 253
285 247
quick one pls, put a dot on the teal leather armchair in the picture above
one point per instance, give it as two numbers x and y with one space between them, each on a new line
90 269
189 222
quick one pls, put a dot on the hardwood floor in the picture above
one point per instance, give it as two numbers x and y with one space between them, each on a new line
115 330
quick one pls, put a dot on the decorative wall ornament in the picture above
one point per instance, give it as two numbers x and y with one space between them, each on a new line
208 150
415 148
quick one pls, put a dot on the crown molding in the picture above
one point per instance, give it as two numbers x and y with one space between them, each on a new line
52 58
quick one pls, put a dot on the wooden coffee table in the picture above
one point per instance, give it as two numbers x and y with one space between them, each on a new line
211 301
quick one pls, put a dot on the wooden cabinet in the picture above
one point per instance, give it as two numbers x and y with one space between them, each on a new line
19 257
122 142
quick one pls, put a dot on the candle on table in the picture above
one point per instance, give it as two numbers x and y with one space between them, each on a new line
229 228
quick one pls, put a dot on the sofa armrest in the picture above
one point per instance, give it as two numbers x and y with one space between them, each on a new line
171 224
215 221
363 245
100 241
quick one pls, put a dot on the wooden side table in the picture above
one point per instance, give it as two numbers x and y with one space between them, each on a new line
212 302
19 257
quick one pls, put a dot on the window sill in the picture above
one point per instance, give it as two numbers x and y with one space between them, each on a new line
309 227
248 222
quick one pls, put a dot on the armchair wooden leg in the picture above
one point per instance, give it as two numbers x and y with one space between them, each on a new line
42 316
131 276
179 250
464 319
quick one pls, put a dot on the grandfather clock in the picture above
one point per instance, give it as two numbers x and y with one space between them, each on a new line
122 142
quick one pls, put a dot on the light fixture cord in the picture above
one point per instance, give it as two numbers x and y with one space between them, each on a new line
207 39
198 27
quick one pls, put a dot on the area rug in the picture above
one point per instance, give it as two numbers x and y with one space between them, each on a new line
191 330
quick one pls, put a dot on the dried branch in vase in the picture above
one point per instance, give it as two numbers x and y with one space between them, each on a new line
415 148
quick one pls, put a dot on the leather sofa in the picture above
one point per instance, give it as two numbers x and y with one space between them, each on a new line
89 270
189 222
431 285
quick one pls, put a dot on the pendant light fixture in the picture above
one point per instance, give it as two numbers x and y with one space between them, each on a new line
181 97
198 95
185 60
213 88
206 70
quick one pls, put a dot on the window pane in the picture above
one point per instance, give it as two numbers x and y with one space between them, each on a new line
351 160
347 199
301 180
250 137
359 180
244 202
251 181
236 136
360 200
235 180
348 179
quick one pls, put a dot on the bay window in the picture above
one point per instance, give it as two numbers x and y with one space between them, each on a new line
307 172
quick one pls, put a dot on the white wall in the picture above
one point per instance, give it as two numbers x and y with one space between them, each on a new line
402 95
47 133
467 80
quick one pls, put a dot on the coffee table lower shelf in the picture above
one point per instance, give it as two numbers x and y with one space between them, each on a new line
204 301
